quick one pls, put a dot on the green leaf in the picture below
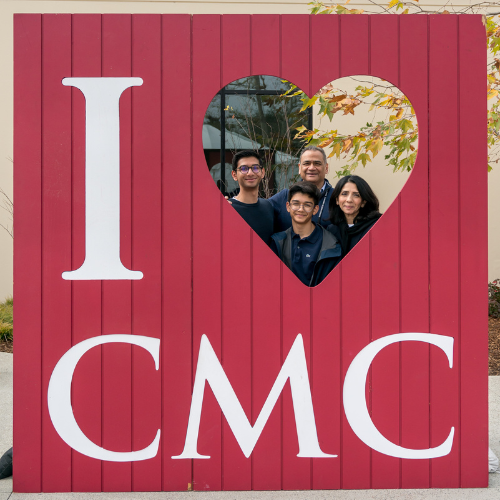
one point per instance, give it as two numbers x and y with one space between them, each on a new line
309 102
405 125
364 158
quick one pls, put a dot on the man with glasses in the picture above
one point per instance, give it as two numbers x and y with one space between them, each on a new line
312 167
307 248
257 212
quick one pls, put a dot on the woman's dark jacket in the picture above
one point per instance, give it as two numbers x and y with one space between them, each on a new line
350 236
329 255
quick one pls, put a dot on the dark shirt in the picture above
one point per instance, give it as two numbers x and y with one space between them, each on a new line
259 216
305 253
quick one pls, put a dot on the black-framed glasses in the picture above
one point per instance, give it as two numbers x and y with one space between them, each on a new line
307 206
245 169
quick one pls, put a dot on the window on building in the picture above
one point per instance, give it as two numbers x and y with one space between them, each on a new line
252 114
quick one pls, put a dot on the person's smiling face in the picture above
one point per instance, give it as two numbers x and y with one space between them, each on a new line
350 201
253 173
301 208
313 168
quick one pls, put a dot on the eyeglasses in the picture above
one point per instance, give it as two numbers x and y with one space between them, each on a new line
245 169
308 207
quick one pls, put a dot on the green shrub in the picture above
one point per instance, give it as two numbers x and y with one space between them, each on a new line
6 330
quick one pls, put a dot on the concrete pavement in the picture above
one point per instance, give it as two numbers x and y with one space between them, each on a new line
491 493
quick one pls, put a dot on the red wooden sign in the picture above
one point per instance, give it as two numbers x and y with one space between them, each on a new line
182 354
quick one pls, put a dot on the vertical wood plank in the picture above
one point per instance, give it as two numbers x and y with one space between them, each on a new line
86 295
355 270
176 347
444 243
354 45
117 295
324 31
473 256
27 251
384 47
237 339
414 230
266 295
207 234
355 456
146 242
385 370
56 234
326 377
235 48
266 364
295 50
385 262
237 258
296 297
266 49
267 360
296 319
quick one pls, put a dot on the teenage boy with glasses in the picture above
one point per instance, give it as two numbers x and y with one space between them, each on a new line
313 167
307 248
257 212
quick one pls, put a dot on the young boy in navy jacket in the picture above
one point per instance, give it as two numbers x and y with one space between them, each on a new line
308 249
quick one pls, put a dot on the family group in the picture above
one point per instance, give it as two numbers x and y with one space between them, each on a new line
311 225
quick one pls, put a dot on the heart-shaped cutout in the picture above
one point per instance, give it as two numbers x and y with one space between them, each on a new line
359 121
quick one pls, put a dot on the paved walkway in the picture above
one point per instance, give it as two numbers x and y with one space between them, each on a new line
492 493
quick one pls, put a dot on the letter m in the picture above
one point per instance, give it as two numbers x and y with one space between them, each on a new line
294 368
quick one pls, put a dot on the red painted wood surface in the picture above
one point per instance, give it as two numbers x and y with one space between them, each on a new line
27 254
473 231
86 295
56 233
176 322
414 260
117 295
422 268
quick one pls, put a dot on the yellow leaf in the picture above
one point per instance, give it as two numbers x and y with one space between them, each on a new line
335 150
393 3
347 146
375 146
326 143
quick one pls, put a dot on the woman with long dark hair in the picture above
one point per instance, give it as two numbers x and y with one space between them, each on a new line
354 209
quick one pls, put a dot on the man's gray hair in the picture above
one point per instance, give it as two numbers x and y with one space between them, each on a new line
313 148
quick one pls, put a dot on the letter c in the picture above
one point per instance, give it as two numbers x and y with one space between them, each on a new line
355 407
59 399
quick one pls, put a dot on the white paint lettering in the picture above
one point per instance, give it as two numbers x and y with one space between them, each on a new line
355 406
294 368
102 179
59 400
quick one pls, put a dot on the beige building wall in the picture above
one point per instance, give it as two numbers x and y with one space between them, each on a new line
385 183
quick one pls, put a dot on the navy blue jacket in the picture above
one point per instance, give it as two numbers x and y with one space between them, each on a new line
282 219
330 253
